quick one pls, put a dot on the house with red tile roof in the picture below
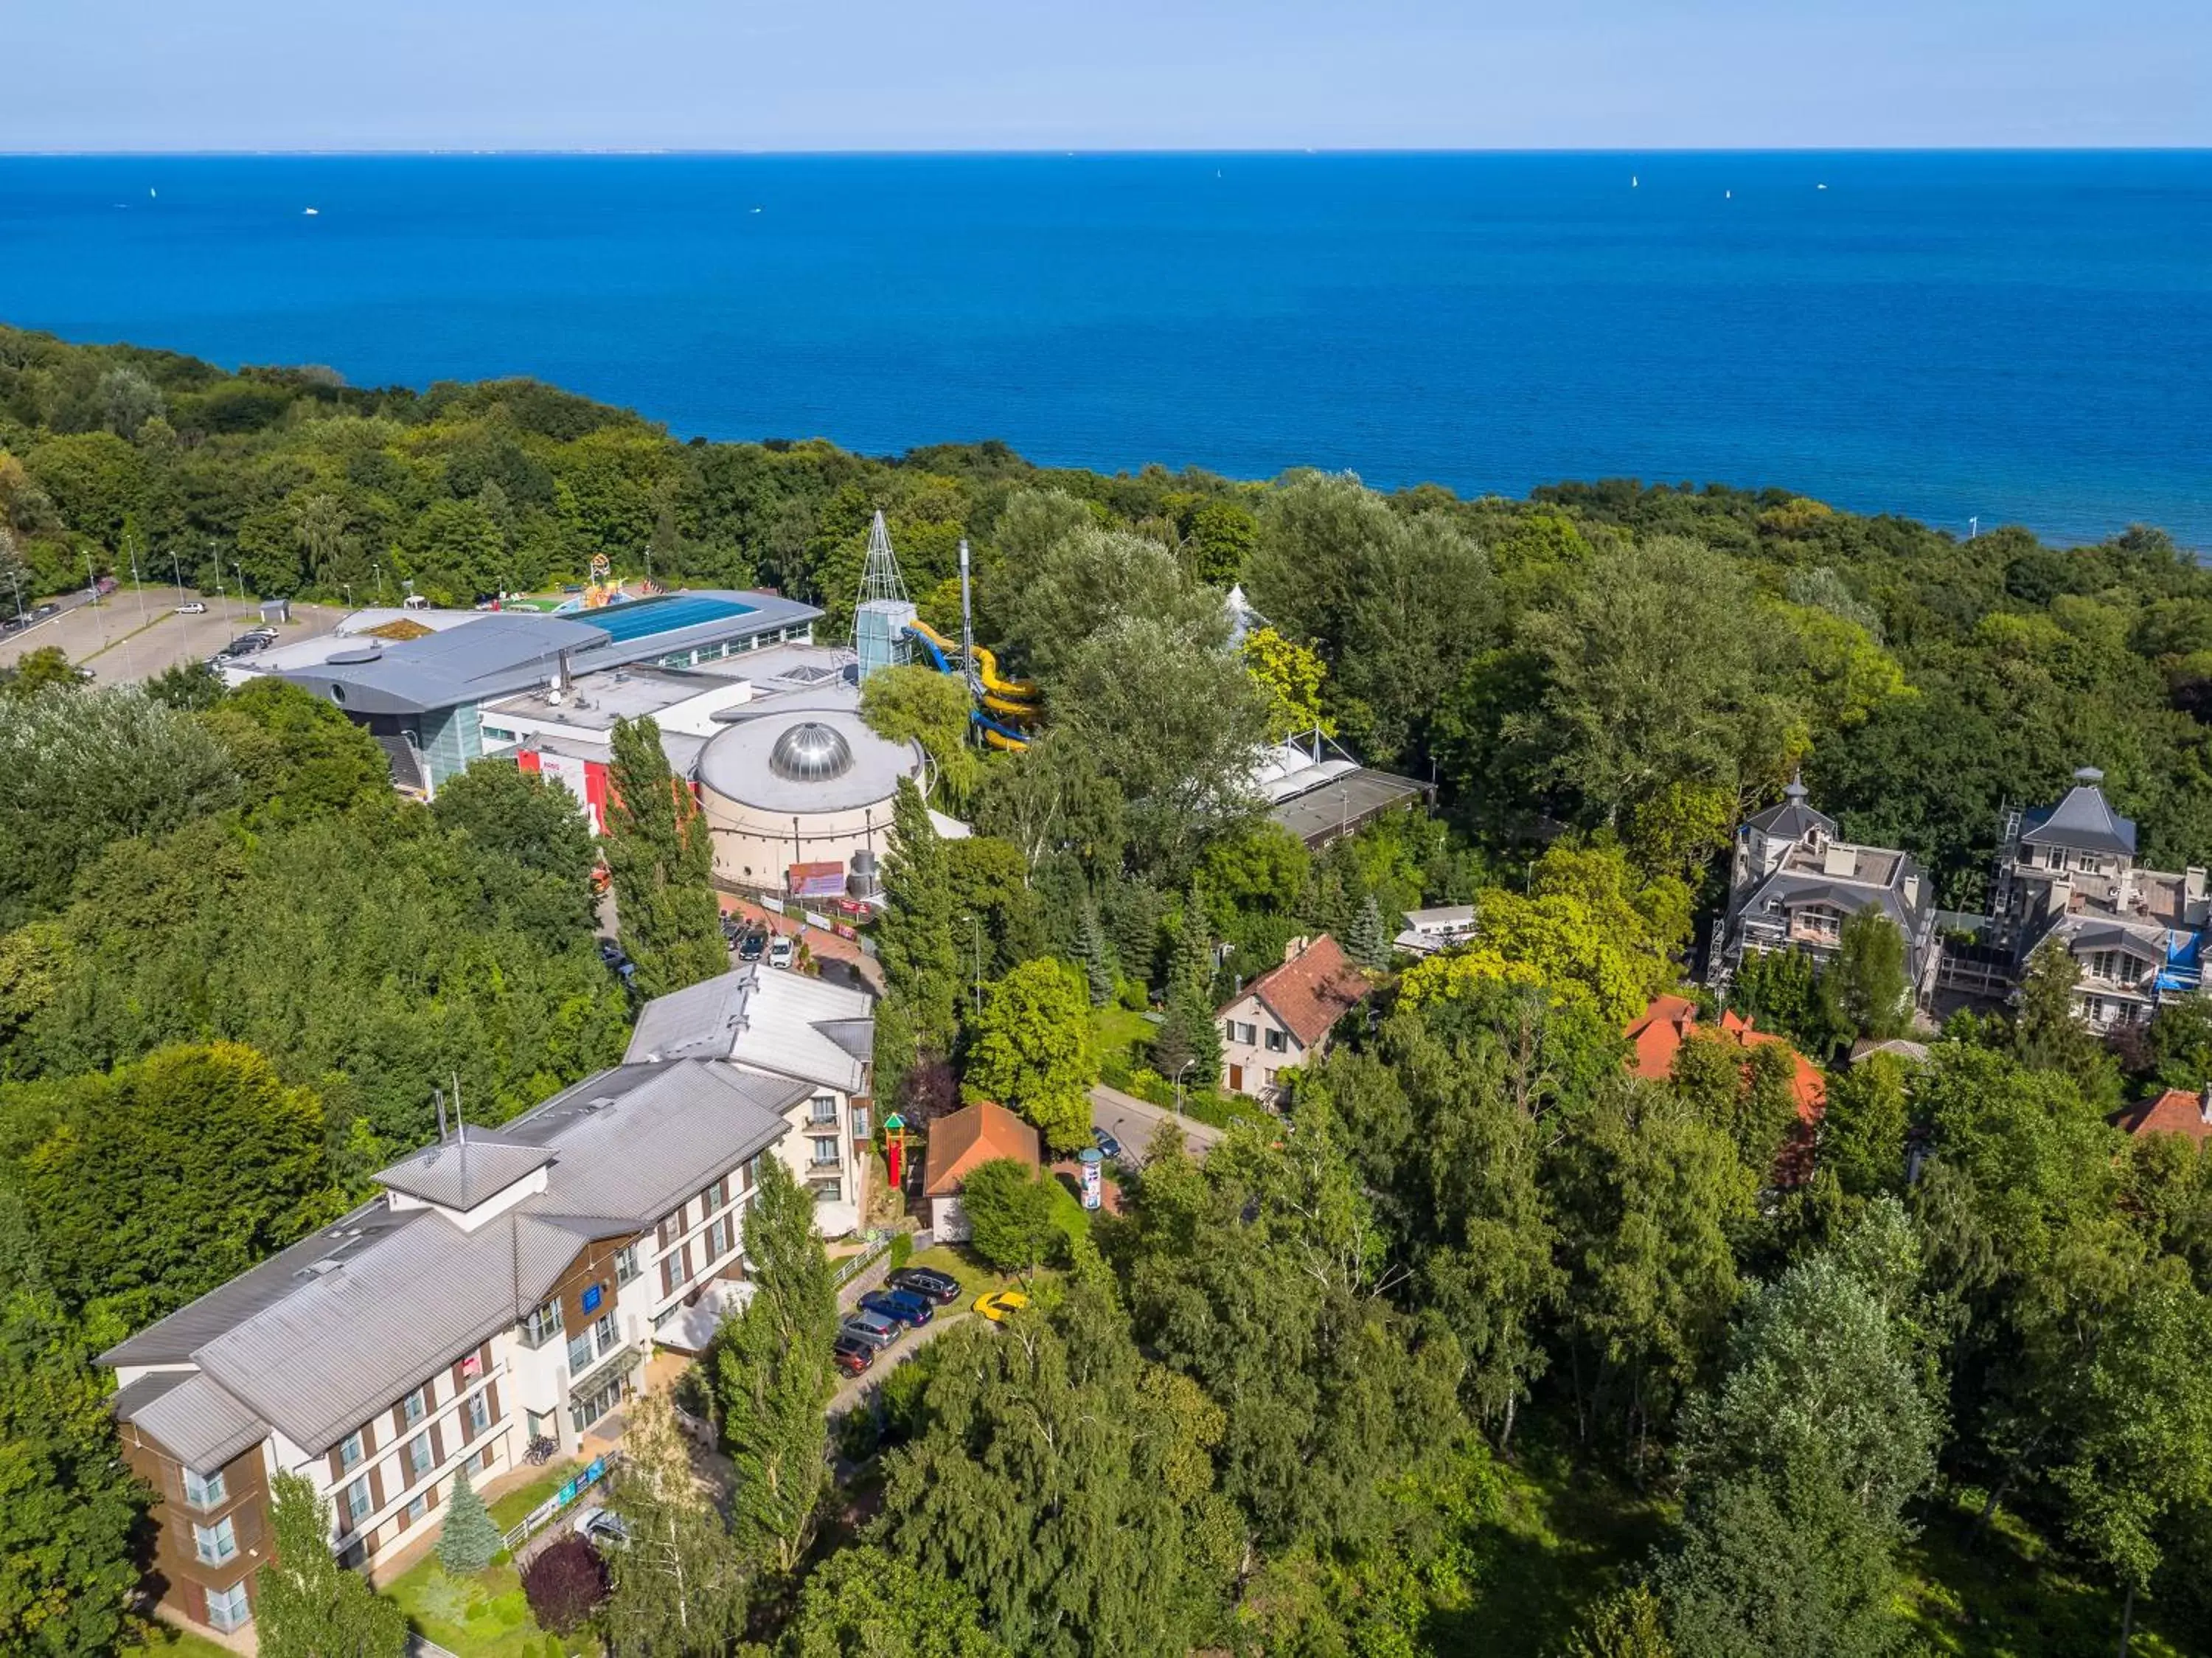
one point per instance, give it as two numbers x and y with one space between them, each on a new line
2185 1112
960 1142
1284 1017
1656 1035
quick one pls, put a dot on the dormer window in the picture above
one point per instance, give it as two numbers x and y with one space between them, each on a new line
542 1324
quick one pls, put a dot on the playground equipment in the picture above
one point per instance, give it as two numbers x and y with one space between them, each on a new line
606 588
885 622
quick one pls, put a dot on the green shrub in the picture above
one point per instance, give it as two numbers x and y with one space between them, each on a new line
901 1249
1132 994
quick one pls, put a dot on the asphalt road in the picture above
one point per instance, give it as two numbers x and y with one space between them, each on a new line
861 1388
132 636
1133 1122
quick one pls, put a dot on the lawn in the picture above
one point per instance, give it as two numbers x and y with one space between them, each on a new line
508 1511
963 1264
1122 1032
484 1617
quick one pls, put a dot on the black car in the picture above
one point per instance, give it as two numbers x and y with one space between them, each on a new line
750 946
940 1288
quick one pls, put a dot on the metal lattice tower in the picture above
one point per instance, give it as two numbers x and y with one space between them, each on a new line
883 613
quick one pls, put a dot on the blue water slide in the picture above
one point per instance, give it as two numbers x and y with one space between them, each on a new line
930 645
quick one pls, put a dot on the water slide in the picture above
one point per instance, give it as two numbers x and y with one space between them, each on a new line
1009 699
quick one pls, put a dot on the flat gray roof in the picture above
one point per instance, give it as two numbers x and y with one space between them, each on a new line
1346 800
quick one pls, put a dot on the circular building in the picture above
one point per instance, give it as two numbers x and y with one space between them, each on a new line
796 797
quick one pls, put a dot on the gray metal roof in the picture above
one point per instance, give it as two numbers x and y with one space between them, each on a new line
1791 820
766 1019
1341 800
739 763
339 1329
197 1423
500 652
2083 934
462 1172
2084 822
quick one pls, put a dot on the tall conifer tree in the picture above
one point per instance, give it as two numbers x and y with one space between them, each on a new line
663 863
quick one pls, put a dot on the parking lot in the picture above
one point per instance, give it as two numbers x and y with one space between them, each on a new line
131 635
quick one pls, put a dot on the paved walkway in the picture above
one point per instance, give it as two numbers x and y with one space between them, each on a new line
861 1388
1133 1122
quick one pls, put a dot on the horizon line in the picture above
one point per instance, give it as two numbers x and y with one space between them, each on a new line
710 152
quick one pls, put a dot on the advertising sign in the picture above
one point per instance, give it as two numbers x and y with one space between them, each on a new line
1088 1160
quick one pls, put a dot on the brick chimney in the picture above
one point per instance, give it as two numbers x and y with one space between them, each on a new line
1295 948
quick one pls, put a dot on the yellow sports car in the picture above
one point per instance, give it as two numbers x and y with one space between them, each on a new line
998 1304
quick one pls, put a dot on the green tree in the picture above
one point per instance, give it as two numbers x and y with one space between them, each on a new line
679 1587
1009 1206
773 1377
1862 1129
920 705
1369 940
68 1505
1034 1050
1649 1194
296 755
1089 582
46 667
2046 1033
864 1602
1779 1565
469 1539
662 861
1653 679
309 1606
1289 676
1865 989
1259 1278
1188 1042
87 768
163 1178
914 937
1094 956
1584 930
1631 1624
1066 1484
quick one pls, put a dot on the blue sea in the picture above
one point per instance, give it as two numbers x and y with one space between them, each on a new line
2014 337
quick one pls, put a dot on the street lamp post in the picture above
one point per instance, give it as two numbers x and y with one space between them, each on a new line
16 580
1179 1072
177 569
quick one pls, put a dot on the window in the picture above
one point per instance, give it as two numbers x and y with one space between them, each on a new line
825 1150
418 1453
542 1325
748 1176
718 1239
538 1424
214 1544
669 1275
1248 1034
204 1492
862 1127
351 1450
1275 1043
480 1413
228 1609
354 1555
580 1351
420 1506
357 1501
625 1264
824 1107
827 1192
415 1405
713 1199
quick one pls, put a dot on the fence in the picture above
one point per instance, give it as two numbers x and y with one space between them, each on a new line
543 1515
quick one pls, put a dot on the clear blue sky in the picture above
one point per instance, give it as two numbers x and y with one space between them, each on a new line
1094 74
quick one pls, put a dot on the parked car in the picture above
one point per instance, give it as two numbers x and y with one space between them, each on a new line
852 1355
940 1288
49 608
265 631
1109 1147
245 645
781 951
597 1526
620 964
873 1328
751 945
192 608
999 1304
900 1305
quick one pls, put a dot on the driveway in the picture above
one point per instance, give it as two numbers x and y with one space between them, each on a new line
1133 1122
856 968
861 1388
